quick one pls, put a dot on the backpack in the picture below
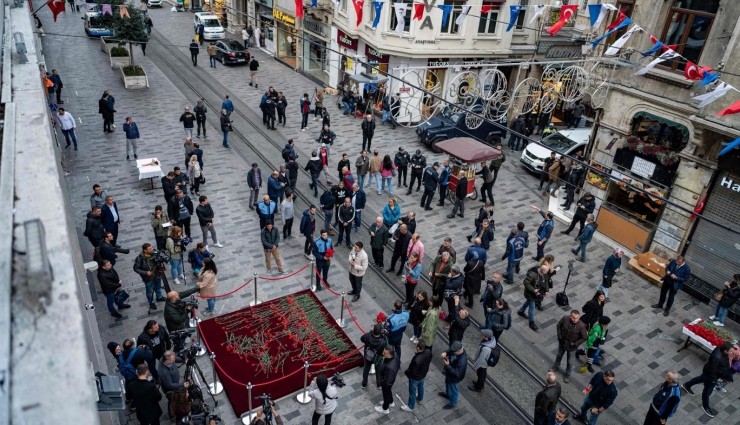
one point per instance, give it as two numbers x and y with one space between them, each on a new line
286 153
495 355
128 371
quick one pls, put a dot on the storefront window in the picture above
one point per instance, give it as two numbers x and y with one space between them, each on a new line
314 57
636 199
688 26
406 16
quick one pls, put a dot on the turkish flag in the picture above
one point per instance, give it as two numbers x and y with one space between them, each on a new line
621 17
692 72
57 7
358 10
732 109
418 11
566 12
299 9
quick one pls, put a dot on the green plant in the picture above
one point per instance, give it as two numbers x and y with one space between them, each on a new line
133 71
128 30
119 52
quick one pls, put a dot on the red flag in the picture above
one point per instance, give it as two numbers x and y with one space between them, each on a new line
57 7
299 9
485 8
732 109
566 12
691 71
418 11
621 17
358 10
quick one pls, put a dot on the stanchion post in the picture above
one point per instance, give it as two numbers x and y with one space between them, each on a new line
303 397
312 274
247 418
255 301
199 342
215 387
340 321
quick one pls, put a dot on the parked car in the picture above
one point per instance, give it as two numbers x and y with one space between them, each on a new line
94 27
154 3
564 142
212 29
231 52
452 123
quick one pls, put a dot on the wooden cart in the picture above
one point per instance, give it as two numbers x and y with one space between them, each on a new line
467 155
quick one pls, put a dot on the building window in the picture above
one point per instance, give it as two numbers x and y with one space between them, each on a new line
406 16
522 14
487 23
452 27
343 6
688 26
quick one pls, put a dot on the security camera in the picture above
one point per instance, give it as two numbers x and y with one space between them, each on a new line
89 307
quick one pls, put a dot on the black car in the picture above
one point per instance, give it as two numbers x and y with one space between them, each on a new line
231 52
452 123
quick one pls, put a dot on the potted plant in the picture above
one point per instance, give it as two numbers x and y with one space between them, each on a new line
118 56
129 30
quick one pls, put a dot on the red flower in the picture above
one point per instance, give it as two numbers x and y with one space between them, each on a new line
381 318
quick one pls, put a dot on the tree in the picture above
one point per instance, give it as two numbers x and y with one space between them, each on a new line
129 29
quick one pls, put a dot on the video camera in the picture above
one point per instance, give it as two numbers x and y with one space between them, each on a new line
337 380
160 257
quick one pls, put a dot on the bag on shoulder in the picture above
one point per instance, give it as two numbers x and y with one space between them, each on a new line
128 371
285 153
494 356
370 354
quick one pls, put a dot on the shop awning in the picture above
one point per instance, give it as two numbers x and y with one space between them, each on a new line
684 131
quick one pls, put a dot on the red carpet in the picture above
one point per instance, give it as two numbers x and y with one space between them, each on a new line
268 344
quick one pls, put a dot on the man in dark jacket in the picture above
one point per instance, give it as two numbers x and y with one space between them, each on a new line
204 211
416 372
676 274
314 168
359 199
611 266
718 366
145 267
495 164
730 295
401 161
280 104
444 181
547 399
546 166
418 162
459 319
270 245
601 393
188 121
346 215
254 181
226 128
430 180
544 232
585 206
176 314
532 283
455 365
200 116
514 253
584 238
339 191
571 184
400 249
155 338
572 332
180 209
461 192
307 229
110 284
94 230
362 168
368 130
374 342
168 186
108 251
517 128
194 50
145 396
487 186
378 238
388 370
665 401
110 217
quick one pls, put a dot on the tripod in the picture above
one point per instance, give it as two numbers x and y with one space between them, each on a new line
191 367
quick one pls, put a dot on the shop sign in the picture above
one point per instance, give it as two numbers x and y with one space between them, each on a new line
438 63
375 56
404 89
346 41
730 184
283 17
315 27
563 52
643 168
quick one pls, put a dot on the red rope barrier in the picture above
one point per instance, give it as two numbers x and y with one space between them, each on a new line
286 276
354 319
321 280
226 294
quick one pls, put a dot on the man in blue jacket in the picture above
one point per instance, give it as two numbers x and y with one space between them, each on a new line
321 247
266 211
585 238
275 186
132 136
544 232
676 275
514 253
444 180
600 394
665 401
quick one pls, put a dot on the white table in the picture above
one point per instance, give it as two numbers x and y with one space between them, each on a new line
149 168
692 338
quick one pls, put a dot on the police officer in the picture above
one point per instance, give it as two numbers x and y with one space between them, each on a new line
418 162
430 180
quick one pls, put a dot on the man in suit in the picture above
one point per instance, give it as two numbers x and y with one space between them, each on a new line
111 219
676 275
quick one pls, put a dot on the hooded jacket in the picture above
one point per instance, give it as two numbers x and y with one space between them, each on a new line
362 165
484 351
308 224
314 166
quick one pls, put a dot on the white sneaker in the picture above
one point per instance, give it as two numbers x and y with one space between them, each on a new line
406 408
712 317
380 409
182 276
113 125
718 323
177 281
393 404
218 245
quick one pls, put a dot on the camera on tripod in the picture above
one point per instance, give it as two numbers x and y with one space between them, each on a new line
337 380
161 257
192 303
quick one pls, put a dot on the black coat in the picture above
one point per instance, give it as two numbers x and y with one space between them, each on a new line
94 229
419 365
461 191
109 280
158 343
402 244
146 397
389 370
592 312
173 207
474 271
168 187
588 206
730 295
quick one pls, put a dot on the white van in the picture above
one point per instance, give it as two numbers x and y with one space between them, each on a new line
564 142
212 29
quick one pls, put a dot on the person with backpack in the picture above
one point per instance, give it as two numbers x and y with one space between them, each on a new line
416 372
325 397
596 337
288 151
486 357
395 326
129 357
374 342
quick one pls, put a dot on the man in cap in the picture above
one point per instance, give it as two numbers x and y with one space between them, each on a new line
455 363
487 343
430 180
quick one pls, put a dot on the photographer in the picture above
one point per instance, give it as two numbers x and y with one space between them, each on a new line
325 398
176 312
156 338
259 418
146 267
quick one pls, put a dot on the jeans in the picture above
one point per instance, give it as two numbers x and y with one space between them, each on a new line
586 409
510 267
153 287
189 132
211 304
130 143
347 108
226 138
416 391
452 393
720 314
513 142
176 267
70 134
582 249
562 349
708 387
528 304
205 230
161 241
111 301
603 289
361 181
317 416
386 117
212 60
374 177
387 181
304 120
358 220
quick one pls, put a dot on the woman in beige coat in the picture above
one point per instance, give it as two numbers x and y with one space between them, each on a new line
207 279
553 174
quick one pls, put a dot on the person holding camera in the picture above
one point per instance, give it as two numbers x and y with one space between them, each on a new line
180 209
207 281
175 247
146 267
325 397
259 418
160 223
176 311
170 382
